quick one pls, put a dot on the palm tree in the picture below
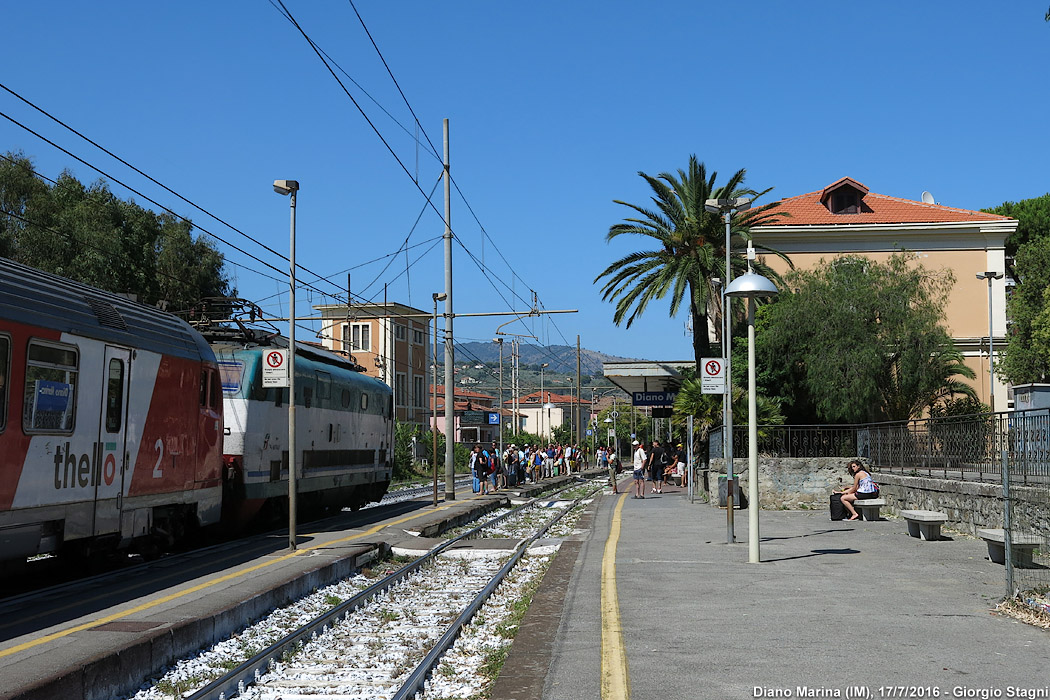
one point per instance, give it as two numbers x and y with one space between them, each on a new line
690 250
920 377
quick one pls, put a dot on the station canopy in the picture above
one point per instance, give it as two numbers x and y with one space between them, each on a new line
645 376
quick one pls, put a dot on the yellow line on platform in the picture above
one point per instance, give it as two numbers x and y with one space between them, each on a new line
616 682
215 581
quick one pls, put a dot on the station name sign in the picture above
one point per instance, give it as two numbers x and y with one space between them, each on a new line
653 398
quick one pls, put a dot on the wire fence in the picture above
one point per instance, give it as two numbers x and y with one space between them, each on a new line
1009 449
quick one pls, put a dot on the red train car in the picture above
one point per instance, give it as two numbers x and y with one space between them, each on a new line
110 420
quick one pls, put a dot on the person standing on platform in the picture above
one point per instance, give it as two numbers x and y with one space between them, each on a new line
640 459
656 466
479 468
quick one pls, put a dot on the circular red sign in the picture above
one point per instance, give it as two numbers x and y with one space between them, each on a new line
713 368
275 359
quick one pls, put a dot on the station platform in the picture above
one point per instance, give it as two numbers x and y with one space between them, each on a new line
651 602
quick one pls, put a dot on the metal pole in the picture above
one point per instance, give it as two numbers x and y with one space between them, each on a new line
991 351
1007 535
433 398
291 387
753 555
450 369
689 472
579 389
728 421
500 341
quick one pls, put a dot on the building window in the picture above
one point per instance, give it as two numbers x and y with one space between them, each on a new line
358 335
417 337
417 392
399 382
400 333
845 200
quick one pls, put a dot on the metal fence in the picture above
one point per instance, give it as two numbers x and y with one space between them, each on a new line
1008 449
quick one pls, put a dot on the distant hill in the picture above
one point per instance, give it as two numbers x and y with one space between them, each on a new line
562 358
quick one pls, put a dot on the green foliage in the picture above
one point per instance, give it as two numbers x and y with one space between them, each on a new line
627 415
690 249
1027 355
1033 220
857 341
90 235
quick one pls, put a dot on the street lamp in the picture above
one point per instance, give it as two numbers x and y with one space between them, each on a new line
990 275
751 286
542 367
438 296
291 187
726 207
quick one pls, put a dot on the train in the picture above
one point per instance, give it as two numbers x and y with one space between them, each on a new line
123 428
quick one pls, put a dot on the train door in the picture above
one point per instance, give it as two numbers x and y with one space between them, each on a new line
109 471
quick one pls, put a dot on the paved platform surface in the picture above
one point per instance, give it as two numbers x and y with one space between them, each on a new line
835 609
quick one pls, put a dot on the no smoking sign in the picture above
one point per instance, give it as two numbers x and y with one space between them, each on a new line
712 375
275 368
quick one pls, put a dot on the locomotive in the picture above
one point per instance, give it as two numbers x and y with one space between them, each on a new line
344 432
112 432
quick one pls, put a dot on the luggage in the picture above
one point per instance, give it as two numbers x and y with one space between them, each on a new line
838 511
477 487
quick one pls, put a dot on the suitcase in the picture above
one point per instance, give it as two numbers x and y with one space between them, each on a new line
838 511
477 487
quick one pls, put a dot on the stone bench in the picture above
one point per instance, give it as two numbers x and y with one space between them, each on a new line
924 524
869 508
1022 546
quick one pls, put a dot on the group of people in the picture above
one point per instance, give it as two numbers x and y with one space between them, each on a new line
656 462
520 464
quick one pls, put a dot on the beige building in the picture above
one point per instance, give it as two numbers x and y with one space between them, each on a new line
392 342
542 414
845 218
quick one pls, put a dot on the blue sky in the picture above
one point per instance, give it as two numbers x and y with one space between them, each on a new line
554 108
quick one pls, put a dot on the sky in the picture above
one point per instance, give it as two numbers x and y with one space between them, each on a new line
554 108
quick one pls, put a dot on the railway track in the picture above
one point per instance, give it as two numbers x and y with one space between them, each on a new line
386 637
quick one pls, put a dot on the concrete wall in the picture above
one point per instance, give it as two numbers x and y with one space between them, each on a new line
806 483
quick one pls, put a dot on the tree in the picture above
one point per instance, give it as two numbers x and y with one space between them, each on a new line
1027 355
689 253
90 235
861 341
1033 220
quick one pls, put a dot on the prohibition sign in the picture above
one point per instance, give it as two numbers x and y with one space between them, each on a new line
275 359
713 368
712 380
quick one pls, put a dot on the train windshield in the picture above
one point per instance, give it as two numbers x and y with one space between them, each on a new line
231 372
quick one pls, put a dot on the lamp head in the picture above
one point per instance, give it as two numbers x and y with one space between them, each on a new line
440 296
545 364
989 275
285 186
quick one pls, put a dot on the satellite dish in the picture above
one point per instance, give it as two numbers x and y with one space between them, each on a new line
927 198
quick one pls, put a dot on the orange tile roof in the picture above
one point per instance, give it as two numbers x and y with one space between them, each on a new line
552 397
807 210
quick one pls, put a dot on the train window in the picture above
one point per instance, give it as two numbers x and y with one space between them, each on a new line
115 396
308 396
364 401
324 385
231 372
346 398
214 390
204 388
5 371
51 386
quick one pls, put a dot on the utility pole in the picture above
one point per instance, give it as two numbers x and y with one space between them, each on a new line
450 370
579 395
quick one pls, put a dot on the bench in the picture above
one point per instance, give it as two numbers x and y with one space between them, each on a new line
1022 546
868 508
924 524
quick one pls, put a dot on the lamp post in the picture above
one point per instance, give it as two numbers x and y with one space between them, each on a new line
750 286
438 296
990 275
499 341
542 367
291 187
726 207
